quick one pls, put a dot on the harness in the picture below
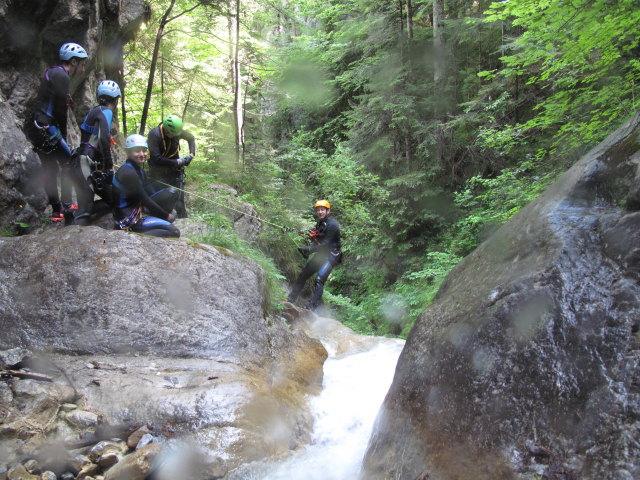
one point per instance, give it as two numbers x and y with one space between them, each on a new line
131 221
135 217
317 236
166 148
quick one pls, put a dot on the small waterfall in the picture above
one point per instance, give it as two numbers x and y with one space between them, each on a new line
354 387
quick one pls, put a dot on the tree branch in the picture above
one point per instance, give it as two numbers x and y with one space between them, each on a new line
185 12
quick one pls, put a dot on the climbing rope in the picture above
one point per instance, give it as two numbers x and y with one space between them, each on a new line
210 200
214 202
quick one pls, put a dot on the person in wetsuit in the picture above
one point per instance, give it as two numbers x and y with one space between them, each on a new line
325 254
136 207
165 163
95 162
47 127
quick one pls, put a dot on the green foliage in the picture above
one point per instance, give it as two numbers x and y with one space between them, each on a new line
211 211
585 54
490 202
393 311
418 288
340 102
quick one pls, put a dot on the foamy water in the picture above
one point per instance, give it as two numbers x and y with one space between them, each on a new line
354 387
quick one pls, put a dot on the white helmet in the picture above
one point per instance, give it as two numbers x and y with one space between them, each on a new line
109 88
70 50
134 141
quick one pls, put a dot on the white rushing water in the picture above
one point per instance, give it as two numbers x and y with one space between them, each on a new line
354 387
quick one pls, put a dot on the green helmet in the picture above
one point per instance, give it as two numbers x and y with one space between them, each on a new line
173 125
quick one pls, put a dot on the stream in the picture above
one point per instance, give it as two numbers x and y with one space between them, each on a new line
354 386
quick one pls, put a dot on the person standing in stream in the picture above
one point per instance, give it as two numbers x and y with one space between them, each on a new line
324 254
165 164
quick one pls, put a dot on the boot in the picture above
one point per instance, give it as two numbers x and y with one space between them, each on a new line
68 217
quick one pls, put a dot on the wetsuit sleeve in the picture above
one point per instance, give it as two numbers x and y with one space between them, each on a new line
191 140
133 187
60 84
329 239
104 129
154 140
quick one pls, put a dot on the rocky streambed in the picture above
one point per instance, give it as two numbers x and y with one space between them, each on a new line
135 416
123 332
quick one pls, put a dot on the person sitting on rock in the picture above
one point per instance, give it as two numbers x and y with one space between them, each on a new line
47 128
325 251
165 164
95 162
136 207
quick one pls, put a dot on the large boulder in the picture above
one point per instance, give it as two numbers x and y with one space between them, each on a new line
169 333
89 290
526 364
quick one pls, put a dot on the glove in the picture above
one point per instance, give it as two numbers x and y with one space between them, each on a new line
184 161
304 251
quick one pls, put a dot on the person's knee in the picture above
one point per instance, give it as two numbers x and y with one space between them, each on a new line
173 231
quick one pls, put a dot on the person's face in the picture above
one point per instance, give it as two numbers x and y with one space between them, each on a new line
76 66
322 212
137 155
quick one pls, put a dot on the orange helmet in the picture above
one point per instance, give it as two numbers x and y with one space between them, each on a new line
322 203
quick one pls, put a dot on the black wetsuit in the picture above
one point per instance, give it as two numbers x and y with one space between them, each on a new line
96 145
50 114
164 153
96 136
53 99
139 210
326 253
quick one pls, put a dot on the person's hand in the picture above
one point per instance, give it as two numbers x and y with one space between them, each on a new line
171 218
184 161
304 251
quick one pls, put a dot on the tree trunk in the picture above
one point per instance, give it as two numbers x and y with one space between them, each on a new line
439 73
162 87
234 40
409 20
124 113
154 57
438 46
152 69
186 104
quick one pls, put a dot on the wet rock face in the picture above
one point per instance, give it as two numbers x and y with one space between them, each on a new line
21 198
526 363
134 329
31 32
89 290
